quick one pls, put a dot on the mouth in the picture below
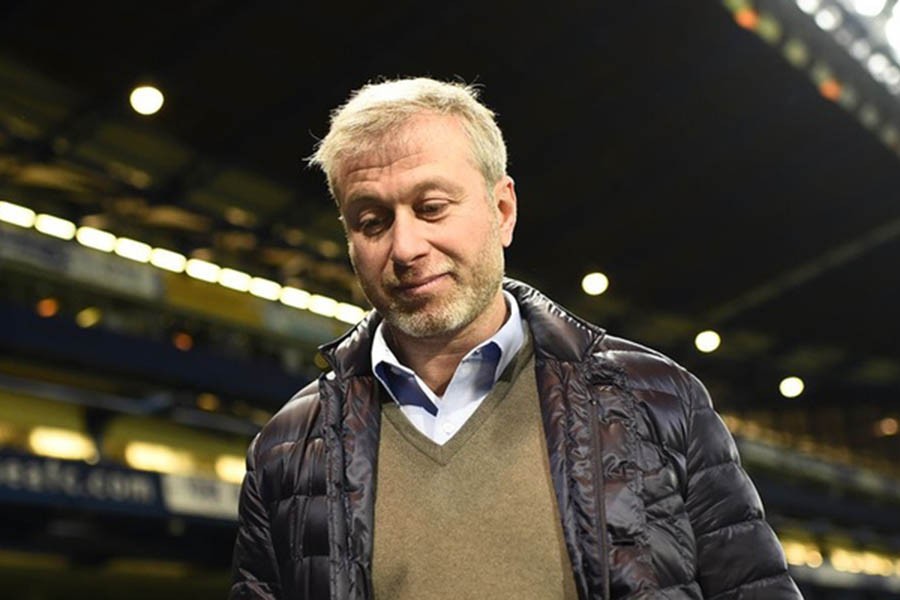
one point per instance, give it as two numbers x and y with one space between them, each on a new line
422 285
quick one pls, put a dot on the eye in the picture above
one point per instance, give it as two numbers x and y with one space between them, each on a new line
432 209
371 223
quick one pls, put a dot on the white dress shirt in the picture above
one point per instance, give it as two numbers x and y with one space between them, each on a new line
440 417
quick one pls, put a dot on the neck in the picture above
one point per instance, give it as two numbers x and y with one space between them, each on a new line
435 358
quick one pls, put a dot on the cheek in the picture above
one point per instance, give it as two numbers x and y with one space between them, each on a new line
355 259
463 235
485 236
364 259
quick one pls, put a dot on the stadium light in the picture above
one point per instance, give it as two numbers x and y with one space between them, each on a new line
323 305
157 457
16 215
88 317
133 250
295 298
829 18
231 468
67 444
265 288
349 313
146 99
707 341
869 8
865 31
791 387
96 239
202 270
234 280
55 227
168 260
594 284
175 262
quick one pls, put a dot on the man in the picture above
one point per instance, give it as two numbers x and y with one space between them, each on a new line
472 438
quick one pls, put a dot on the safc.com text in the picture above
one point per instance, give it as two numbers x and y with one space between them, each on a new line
76 480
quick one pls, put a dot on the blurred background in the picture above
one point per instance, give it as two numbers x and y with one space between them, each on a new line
718 180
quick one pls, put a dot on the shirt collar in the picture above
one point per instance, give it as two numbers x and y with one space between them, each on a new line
508 340
510 337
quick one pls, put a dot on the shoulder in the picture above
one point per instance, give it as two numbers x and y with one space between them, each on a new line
645 368
296 422
561 335
671 395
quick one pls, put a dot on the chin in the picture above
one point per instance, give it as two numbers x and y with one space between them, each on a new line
424 324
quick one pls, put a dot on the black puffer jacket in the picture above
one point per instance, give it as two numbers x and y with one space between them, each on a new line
653 501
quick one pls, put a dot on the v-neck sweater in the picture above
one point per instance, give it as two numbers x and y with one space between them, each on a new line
476 517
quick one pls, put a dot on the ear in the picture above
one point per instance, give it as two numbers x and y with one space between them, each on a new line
505 199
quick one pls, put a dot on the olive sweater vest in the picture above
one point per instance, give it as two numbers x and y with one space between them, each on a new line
476 517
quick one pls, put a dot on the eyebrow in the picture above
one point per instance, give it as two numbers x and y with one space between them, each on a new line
437 183
432 183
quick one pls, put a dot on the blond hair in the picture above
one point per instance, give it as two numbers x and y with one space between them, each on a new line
378 109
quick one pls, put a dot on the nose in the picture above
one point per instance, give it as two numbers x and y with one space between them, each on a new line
408 240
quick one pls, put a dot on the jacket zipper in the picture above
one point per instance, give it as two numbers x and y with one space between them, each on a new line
597 465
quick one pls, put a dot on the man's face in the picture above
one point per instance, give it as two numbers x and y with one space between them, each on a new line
426 236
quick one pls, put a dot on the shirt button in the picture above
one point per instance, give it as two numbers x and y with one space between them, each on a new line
448 428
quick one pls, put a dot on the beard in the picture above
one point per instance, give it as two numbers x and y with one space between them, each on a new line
450 312
474 288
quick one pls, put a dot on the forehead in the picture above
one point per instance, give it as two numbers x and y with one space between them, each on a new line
419 140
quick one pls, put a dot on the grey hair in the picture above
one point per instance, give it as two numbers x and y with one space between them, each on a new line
378 109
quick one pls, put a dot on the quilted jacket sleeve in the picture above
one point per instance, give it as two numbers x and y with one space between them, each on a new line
738 555
254 567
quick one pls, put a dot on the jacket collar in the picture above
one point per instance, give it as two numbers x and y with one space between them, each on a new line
557 333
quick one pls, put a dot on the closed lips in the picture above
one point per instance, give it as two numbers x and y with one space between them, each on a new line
408 285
